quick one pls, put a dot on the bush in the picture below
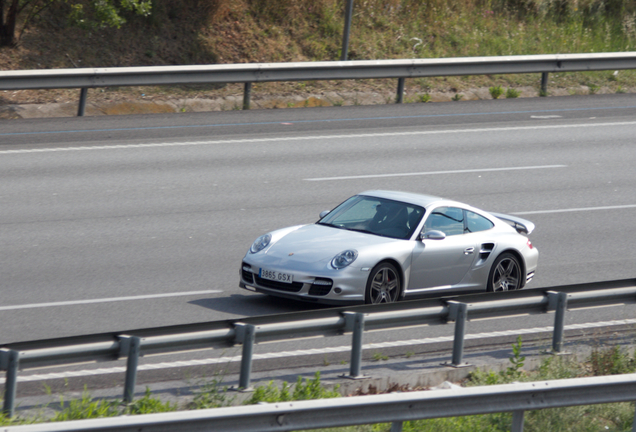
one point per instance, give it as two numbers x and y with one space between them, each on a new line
86 408
495 92
309 389
149 405
512 93
611 361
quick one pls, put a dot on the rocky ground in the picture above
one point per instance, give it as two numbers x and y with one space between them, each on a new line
144 100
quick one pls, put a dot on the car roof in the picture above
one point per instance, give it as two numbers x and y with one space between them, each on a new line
408 197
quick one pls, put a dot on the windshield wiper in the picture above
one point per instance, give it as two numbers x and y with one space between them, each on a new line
329 225
362 231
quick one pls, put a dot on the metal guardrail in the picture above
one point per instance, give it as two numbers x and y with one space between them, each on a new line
249 73
392 408
327 322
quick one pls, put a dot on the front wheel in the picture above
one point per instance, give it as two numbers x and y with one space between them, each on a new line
505 274
384 284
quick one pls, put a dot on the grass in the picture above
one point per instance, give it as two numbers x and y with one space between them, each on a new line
378 356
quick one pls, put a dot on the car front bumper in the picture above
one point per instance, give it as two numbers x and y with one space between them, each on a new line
328 286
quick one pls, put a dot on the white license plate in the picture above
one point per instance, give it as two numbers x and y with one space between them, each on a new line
275 276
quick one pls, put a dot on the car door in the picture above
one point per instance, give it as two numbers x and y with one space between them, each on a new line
442 263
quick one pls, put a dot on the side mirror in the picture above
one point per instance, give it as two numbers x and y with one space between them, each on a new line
432 235
324 213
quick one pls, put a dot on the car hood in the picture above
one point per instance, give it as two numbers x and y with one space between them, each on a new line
314 243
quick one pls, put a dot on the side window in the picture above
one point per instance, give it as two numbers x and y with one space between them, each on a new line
449 220
476 223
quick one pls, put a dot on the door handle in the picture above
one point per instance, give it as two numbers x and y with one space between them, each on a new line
469 250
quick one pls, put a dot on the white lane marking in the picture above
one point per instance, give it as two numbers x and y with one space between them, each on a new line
619 207
310 138
435 173
545 116
106 300
283 354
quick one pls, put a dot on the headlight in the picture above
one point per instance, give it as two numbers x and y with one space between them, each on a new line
343 259
261 243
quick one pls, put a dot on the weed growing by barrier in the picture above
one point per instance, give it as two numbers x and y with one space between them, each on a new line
303 390
495 92
512 93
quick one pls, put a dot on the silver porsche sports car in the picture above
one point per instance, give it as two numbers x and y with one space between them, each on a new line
381 246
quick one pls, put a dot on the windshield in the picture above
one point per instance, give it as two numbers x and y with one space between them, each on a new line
376 216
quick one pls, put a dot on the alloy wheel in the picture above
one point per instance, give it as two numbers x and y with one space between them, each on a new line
385 285
506 275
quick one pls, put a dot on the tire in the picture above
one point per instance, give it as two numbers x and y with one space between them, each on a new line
384 284
505 274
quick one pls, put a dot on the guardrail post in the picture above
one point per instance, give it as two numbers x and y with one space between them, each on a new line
10 361
544 84
634 424
517 421
396 426
400 91
130 347
458 313
81 109
246 334
247 95
354 321
558 301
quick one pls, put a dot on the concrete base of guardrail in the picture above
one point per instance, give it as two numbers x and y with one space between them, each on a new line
150 105
387 369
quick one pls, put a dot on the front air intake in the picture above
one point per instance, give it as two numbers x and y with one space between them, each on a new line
321 287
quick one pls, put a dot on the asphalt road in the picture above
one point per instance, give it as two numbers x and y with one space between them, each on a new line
116 223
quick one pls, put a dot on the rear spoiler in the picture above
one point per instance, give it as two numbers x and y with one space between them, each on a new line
521 225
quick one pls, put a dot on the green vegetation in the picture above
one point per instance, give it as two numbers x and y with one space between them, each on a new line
611 361
211 395
512 93
303 390
89 14
602 361
613 417
77 33
88 408
379 356
495 92
442 28
512 373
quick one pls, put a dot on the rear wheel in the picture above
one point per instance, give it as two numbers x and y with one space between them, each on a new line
384 284
505 274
